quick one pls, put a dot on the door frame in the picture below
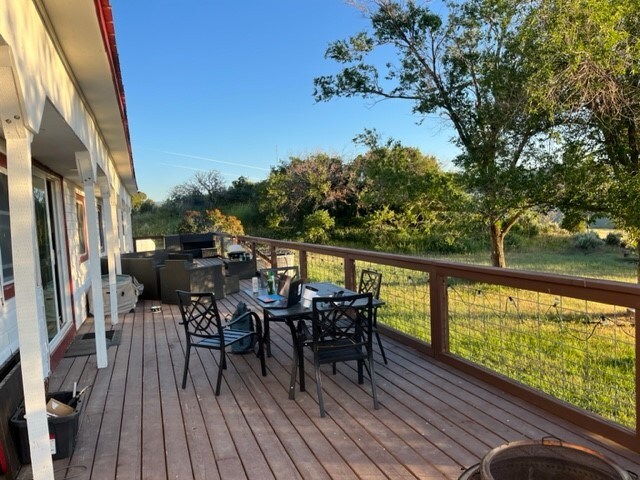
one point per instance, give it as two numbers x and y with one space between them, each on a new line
55 202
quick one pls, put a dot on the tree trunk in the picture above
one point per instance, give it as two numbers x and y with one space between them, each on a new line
497 246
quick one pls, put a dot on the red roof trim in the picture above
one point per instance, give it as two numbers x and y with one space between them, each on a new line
105 18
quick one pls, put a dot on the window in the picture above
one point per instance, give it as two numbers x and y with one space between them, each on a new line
101 228
5 237
6 255
82 228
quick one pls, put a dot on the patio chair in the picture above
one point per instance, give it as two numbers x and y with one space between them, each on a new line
341 331
204 329
370 282
279 274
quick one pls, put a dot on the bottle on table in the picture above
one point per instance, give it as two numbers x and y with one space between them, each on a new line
271 284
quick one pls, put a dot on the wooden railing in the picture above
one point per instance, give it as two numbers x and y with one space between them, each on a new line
442 274
446 327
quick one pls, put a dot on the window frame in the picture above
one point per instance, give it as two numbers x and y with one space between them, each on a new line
8 286
81 220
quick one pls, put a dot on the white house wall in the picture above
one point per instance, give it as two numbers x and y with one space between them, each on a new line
43 76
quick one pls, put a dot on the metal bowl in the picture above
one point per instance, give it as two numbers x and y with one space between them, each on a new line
471 473
547 459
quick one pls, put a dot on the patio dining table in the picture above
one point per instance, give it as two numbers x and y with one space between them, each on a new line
291 316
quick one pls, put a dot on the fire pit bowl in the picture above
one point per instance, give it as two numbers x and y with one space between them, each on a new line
548 459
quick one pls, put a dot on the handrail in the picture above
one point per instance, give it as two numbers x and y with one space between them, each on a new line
608 291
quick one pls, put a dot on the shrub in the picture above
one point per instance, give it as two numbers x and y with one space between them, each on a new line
614 239
587 241
317 225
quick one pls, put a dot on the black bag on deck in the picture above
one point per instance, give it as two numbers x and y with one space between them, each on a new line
246 344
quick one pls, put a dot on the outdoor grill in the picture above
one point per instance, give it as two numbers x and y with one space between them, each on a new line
547 459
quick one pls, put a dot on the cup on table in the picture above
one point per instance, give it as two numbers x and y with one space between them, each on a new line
255 284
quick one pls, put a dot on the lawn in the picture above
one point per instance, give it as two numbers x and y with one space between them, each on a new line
555 254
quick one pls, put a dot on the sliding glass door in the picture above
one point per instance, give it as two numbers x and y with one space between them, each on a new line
48 244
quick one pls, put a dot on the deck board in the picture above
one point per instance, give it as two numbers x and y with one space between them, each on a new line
138 422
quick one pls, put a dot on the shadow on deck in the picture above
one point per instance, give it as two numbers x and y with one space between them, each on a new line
137 422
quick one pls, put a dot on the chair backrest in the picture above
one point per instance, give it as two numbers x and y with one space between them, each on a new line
279 273
200 315
370 282
345 317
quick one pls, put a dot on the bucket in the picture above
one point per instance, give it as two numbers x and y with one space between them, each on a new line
548 459
471 473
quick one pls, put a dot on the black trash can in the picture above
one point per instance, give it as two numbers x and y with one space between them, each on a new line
62 430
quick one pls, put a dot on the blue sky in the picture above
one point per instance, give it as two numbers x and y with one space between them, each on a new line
228 86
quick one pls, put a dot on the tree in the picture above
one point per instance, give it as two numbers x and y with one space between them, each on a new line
202 191
210 184
471 71
587 54
401 178
210 221
304 185
242 190
140 203
403 193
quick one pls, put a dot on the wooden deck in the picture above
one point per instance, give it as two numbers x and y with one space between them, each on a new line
137 422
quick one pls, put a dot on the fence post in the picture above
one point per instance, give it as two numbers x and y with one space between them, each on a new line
349 273
439 307
637 320
302 254
274 256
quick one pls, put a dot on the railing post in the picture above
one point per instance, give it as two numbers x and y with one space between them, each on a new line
274 256
303 265
637 320
439 307
349 273
253 252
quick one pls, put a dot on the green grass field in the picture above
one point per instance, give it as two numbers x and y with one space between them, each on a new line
554 254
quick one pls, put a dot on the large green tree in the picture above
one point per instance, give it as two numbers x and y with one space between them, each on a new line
401 189
302 186
587 77
469 69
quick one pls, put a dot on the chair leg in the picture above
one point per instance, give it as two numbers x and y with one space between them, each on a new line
384 357
360 372
267 335
294 373
186 366
335 369
263 365
375 330
373 381
319 388
220 368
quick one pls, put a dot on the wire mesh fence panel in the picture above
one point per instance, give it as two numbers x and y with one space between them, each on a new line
406 296
263 256
579 351
325 268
